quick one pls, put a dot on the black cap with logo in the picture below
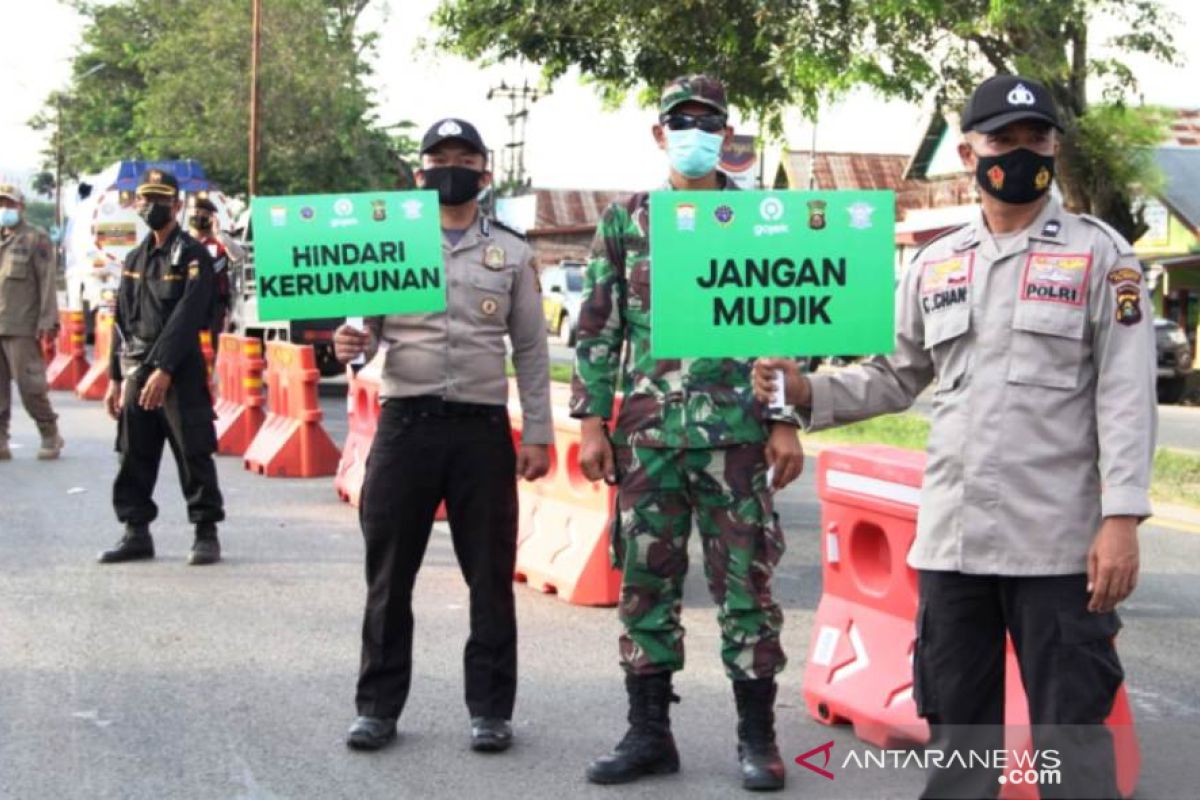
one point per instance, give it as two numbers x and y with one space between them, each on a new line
158 183
1005 99
445 130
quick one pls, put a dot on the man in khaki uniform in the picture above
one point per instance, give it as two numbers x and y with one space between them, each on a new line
1035 324
28 312
444 435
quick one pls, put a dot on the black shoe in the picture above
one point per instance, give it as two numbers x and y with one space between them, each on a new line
648 747
762 768
206 549
370 733
490 735
135 545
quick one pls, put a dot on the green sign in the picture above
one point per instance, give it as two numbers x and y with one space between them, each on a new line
348 255
739 274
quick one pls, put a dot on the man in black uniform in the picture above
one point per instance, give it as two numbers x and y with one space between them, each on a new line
158 387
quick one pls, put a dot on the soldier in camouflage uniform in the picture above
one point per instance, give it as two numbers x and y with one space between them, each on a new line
690 440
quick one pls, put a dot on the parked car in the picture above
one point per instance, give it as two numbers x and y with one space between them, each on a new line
562 294
1174 360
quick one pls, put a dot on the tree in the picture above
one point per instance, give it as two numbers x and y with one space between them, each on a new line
774 53
43 184
175 84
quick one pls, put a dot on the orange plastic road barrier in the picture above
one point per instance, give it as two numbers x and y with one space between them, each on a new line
70 364
859 668
240 399
210 359
94 383
362 409
291 442
565 519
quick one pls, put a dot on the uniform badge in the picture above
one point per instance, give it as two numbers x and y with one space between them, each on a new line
816 214
489 306
193 269
1129 305
493 257
947 282
1125 275
1051 228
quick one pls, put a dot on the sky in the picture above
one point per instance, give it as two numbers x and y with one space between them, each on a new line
571 141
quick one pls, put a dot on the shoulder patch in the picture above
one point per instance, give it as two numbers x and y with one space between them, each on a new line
1122 247
921 250
498 224
1125 275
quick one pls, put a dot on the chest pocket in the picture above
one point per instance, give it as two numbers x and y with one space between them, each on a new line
1048 346
15 267
637 294
168 287
491 294
945 340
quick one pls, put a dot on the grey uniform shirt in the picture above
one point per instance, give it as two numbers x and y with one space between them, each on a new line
1044 414
491 291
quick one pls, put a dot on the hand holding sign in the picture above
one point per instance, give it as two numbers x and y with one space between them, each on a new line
768 374
349 343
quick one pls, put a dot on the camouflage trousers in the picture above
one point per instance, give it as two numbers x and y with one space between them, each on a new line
725 489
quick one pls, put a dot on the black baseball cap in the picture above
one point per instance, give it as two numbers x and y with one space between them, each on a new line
159 183
449 129
1004 99
204 204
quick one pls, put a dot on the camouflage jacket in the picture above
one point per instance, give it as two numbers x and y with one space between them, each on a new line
688 403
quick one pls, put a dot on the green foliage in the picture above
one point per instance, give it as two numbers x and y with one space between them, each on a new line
776 53
175 83
39 214
1176 477
909 431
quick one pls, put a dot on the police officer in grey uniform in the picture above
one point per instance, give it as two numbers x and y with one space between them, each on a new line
1035 324
444 435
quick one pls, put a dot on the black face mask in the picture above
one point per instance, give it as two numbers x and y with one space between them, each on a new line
156 215
1019 176
202 223
454 185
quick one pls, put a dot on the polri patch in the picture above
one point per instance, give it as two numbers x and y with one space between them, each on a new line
1056 278
1129 305
947 282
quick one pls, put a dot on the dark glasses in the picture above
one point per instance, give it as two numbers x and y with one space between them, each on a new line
709 123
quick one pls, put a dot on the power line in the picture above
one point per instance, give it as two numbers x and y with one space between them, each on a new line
513 156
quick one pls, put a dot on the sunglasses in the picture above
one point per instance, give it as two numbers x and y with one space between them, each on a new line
709 123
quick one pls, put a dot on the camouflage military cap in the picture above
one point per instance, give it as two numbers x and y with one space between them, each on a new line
12 191
693 88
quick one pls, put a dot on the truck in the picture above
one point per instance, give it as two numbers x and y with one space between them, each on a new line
102 227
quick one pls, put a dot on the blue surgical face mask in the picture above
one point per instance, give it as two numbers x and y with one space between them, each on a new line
9 217
694 153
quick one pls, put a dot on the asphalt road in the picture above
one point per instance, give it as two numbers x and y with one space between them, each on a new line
159 680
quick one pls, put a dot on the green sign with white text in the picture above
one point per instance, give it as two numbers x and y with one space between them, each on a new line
348 255
771 273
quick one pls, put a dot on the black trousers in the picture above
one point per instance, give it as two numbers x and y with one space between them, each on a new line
185 421
1068 664
424 452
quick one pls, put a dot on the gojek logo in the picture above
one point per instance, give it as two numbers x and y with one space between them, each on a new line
827 749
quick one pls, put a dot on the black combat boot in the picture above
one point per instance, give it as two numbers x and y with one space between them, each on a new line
762 768
648 747
206 549
135 545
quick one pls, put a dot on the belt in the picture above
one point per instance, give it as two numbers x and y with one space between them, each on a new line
433 406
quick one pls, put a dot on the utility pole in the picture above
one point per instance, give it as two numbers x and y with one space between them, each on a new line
58 161
255 105
514 151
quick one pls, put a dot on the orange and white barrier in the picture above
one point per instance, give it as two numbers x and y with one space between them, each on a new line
94 383
70 363
240 397
859 668
291 442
